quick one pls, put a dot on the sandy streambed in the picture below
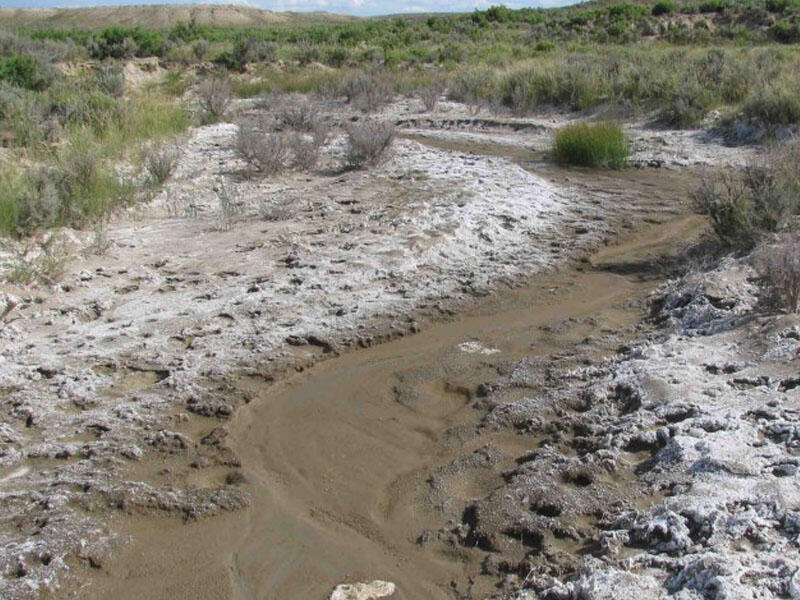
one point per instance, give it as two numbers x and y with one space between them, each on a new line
350 464
118 384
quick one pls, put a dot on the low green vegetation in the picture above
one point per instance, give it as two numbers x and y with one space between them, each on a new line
679 63
591 145
74 133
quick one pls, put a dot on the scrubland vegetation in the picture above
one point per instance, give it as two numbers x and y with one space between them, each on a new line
73 139
756 211
76 128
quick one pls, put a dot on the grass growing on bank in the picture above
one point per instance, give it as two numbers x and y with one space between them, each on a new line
620 59
591 145
70 176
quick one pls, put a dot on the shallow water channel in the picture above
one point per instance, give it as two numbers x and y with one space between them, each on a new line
338 458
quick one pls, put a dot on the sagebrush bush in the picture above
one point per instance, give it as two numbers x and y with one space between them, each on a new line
430 94
305 152
473 86
367 91
29 200
298 112
723 199
685 108
368 142
773 105
159 164
591 145
110 77
42 263
744 207
214 95
72 191
264 153
779 264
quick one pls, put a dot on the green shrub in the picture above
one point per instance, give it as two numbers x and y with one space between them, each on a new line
625 11
709 6
663 7
22 71
780 6
775 105
591 145
174 83
786 32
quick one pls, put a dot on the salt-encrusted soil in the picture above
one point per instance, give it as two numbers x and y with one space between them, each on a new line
667 470
117 380
650 145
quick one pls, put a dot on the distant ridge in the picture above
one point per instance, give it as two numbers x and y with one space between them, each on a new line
157 16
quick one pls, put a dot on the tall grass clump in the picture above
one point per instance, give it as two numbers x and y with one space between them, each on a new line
576 84
591 145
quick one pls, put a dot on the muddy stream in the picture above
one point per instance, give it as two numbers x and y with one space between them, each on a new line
338 458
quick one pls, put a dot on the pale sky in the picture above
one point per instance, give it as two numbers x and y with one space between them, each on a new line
352 7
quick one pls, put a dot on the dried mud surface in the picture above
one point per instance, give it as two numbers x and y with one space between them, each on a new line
134 395
365 467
